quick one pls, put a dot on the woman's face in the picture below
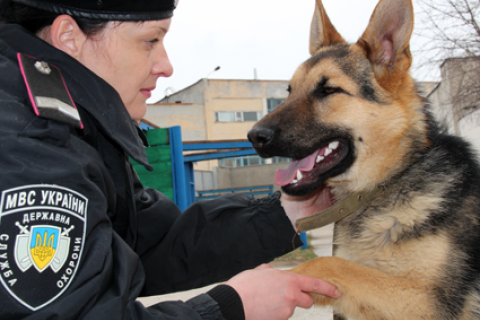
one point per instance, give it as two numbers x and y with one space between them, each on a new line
130 56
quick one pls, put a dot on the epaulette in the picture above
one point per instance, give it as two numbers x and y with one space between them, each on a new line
48 92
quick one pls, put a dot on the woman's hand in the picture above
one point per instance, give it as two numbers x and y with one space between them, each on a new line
273 294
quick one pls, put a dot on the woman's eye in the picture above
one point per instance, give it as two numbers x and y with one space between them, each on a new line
153 41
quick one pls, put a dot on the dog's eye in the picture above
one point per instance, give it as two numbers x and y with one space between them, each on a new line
289 89
329 90
322 91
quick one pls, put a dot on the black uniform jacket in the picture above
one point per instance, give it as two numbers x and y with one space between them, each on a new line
80 237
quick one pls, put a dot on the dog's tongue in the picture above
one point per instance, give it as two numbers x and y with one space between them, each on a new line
285 176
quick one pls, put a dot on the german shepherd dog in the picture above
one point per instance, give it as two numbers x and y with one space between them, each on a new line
354 120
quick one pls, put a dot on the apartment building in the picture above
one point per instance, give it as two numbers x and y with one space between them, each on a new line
218 110
456 99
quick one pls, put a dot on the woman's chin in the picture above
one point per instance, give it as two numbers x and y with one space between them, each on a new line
137 110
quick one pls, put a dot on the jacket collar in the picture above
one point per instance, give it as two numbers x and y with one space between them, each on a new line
89 91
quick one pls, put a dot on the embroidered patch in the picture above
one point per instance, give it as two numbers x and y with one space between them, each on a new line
42 235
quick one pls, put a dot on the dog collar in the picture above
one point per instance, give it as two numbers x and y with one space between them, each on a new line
339 210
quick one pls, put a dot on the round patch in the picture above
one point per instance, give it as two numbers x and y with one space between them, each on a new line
42 234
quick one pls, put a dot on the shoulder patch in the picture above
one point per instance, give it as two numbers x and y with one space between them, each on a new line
42 235
48 92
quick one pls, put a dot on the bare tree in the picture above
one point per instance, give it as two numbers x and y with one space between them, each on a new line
447 29
448 32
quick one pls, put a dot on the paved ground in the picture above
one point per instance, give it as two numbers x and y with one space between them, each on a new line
321 240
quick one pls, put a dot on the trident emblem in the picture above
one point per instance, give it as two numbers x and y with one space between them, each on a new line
42 246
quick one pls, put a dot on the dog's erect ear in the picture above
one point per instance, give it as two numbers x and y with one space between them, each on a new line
322 32
386 39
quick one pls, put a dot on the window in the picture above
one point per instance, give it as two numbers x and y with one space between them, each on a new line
237 116
273 103
241 161
246 161
228 163
251 116
280 159
225 116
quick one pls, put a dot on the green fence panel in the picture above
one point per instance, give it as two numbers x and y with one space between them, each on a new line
159 154
157 136
159 181
160 158
159 167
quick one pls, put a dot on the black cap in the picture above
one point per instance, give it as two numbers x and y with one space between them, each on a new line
109 10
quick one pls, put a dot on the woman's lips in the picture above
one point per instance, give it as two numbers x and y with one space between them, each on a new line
147 92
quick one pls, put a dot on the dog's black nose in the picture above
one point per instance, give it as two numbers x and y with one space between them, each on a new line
260 137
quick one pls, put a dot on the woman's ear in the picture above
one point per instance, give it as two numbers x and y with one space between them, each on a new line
66 35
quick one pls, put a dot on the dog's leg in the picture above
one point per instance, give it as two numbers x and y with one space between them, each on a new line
369 293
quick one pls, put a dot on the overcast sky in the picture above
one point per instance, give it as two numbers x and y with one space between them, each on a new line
270 36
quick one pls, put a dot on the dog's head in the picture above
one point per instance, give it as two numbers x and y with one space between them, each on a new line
353 112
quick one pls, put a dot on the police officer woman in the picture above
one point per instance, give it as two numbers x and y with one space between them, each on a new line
80 237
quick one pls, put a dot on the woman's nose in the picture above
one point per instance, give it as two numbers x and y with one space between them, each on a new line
162 66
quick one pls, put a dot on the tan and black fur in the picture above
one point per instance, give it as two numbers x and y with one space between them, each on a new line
414 251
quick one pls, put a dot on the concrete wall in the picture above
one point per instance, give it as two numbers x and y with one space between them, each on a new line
233 89
189 116
205 180
192 94
248 176
441 108
456 100
276 89
470 128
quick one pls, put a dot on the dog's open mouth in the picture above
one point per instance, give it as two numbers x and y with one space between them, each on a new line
305 175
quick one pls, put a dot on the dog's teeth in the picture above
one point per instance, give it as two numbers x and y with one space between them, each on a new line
327 152
294 181
319 158
333 145
299 175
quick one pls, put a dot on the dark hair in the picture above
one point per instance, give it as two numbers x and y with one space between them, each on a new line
34 19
